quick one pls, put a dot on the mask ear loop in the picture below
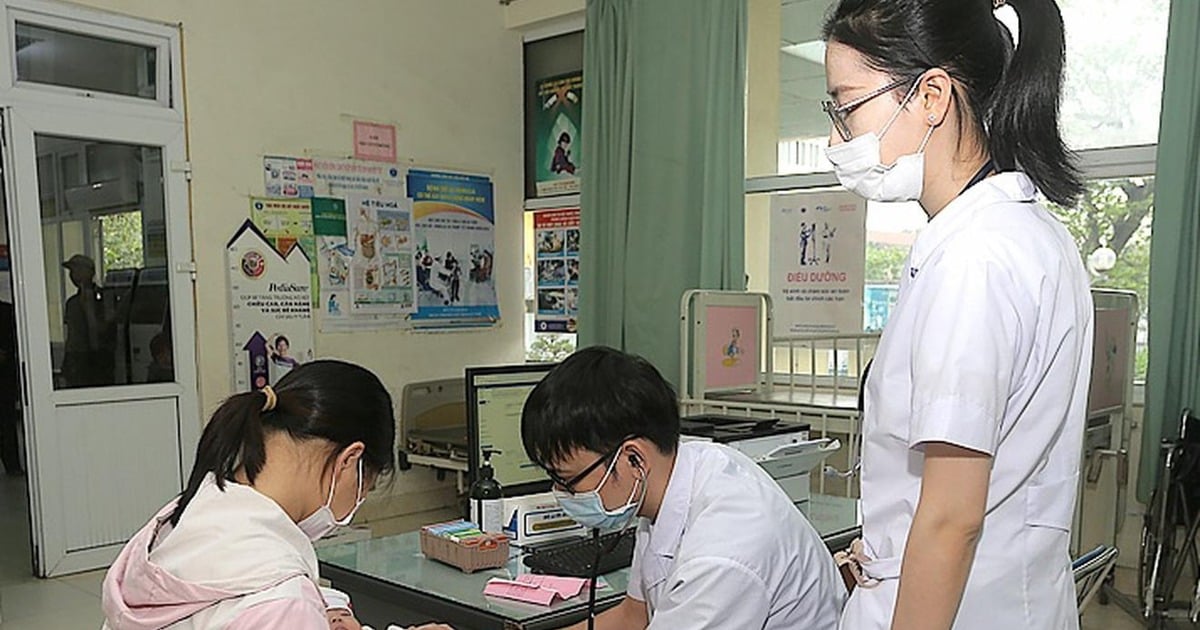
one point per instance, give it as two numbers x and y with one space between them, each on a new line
928 135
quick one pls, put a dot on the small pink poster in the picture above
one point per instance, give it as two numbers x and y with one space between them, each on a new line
373 141
731 347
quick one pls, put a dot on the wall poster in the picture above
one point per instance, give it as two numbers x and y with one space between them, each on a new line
818 262
558 123
556 235
454 245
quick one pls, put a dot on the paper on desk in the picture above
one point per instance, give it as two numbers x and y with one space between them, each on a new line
536 589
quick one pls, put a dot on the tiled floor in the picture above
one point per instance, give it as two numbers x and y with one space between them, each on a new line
72 603
29 604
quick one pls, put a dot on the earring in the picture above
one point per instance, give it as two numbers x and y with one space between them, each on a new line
933 118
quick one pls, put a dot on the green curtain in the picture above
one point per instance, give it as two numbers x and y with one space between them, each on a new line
663 167
1173 376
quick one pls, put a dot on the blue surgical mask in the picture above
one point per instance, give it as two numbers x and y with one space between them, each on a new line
587 508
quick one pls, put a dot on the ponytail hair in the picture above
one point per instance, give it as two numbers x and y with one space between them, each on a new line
338 402
1023 127
1008 97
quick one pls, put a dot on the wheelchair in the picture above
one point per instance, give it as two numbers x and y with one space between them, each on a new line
1169 553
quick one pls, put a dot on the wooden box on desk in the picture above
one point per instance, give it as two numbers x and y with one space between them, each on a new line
489 553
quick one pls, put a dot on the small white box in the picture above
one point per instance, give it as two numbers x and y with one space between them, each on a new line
535 518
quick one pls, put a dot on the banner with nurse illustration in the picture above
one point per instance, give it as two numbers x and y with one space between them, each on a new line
454 230
818 260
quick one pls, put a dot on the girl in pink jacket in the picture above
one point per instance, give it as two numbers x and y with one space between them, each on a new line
275 470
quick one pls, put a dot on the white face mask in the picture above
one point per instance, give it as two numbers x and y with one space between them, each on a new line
859 166
321 523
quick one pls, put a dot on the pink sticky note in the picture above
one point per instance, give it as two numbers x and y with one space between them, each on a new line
566 587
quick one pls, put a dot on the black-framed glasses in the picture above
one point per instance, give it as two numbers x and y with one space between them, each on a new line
839 113
569 484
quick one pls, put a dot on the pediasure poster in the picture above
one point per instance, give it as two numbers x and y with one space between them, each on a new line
302 178
454 224
557 126
380 233
556 235
818 260
270 308
287 222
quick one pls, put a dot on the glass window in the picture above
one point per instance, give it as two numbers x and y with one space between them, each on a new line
1112 221
107 286
1111 97
74 60
1114 71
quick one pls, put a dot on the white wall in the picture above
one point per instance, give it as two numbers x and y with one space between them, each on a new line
525 14
287 77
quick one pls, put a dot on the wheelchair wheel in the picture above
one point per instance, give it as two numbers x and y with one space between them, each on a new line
1158 555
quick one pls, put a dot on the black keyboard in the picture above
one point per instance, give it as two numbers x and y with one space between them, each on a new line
574 557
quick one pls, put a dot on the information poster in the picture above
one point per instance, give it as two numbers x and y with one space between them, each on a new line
556 234
557 125
382 266
454 229
818 259
333 254
270 308
287 222
293 177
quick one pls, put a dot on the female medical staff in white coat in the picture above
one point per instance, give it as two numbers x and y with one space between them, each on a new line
275 470
974 409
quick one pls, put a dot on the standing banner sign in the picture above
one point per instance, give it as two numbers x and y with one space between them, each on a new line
270 308
556 233
557 126
454 228
818 262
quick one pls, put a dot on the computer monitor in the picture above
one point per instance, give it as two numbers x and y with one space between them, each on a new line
495 398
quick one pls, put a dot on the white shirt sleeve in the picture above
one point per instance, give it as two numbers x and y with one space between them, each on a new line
710 593
965 347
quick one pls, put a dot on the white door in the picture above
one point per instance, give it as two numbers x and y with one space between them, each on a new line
102 254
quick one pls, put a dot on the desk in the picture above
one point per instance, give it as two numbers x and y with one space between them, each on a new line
391 582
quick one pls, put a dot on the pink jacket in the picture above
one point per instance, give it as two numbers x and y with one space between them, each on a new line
236 560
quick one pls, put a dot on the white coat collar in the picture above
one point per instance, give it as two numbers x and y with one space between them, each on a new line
667 530
1007 187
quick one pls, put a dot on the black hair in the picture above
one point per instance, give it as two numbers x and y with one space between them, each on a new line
564 137
335 401
283 339
594 400
1010 97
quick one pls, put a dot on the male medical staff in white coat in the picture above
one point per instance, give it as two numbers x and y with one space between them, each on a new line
975 402
719 544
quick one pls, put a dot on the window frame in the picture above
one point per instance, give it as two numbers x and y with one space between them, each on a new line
1094 164
164 38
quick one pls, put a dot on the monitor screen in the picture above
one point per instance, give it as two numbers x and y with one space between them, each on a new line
495 399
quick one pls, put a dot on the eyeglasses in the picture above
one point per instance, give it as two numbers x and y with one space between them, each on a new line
569 484
839 113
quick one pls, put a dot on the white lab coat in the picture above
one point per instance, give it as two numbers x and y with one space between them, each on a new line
988 348
729 550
